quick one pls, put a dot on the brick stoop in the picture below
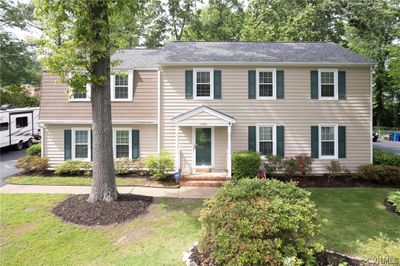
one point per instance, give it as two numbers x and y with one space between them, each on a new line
205 180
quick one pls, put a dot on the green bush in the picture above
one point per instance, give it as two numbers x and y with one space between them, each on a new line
335 168
159 165
123 166
380 247
74 168
260 222
300 164
386 158
394 197
34 150
273 165
32 164
245 164
382 174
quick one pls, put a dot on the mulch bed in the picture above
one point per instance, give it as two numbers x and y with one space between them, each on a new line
77 210
336 182
390 207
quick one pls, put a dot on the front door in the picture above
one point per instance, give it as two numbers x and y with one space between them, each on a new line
203 146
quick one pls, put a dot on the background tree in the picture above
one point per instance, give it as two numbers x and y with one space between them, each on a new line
18 96
87 42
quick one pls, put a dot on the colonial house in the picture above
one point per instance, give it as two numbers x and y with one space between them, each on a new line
201 101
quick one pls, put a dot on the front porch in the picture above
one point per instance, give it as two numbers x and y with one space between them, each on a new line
203 146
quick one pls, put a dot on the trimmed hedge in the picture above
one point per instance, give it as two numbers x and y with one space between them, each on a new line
34 150
32 164
382 174
245 164
386 158
74 168
260 222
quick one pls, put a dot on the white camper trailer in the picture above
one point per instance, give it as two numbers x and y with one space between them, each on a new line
18 126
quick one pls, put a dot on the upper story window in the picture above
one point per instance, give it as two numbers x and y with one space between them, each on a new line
81 94
266 84
203 84
81 144
328 141
328 85
21 122
122 86
266 139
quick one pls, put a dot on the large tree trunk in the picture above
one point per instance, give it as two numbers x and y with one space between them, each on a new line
103 186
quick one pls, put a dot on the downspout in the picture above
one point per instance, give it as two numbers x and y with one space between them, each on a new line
159 111
42 141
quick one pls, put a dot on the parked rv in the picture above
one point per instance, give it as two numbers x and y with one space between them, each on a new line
19 127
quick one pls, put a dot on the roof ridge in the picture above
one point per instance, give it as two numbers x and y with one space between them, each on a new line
199 41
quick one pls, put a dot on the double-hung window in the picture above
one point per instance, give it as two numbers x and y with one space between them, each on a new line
266 84
122 143
328 141
328 85
81 94
266 139
203 84
81 144
122 86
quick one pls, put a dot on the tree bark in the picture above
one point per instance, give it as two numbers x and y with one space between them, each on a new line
104 186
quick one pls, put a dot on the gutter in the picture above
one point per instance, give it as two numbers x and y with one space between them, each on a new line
319 64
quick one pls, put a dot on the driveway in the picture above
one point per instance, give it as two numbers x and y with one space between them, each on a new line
8 158
390 146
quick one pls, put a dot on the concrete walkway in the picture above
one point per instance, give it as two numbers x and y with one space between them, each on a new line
182 192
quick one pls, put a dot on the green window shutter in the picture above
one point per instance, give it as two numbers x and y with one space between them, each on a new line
252 84
280 141
135 144
252 138
67 144
91 145
342 85
314 142
217 84
342 142
314 84
280 84
189 84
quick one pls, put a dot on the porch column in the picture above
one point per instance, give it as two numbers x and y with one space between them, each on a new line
229 161
177 159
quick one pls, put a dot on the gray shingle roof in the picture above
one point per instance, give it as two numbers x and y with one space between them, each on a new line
240 52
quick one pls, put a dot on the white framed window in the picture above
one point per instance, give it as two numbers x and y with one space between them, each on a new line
203 84
122 86
79 96
328 141
122 138
328 84
266 83
81 144
266 139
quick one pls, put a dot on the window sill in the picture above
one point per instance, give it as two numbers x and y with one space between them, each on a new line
328 158
266 98
327 99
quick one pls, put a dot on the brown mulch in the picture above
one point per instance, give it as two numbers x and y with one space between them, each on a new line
390 207
77 210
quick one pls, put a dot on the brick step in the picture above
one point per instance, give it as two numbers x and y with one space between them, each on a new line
202 183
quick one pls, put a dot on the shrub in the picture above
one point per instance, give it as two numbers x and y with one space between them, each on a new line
394 197
259 222
335 168
300 164
123 166
289 167
32 164
380 247
159 165
382 174
34 150
273 165
386 158
74 168
245 164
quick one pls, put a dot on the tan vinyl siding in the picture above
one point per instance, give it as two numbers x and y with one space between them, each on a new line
297 112
202 117
54 104
54 140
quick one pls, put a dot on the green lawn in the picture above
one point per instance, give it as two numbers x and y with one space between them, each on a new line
82 181
30 234
354 213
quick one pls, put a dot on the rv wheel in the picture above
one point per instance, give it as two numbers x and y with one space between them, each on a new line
29 143
20 145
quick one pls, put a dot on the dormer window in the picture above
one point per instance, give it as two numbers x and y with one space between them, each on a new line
203 85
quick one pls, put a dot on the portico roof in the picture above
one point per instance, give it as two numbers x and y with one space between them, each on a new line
203 116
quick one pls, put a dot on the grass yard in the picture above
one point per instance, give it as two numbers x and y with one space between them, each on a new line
32 235
354 213
82 181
